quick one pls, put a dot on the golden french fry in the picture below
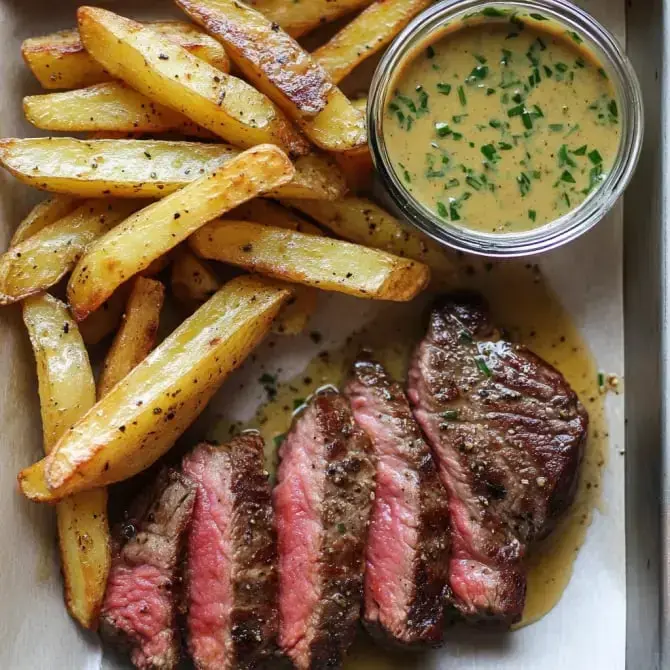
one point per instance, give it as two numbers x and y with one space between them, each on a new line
137 335
298 18
106 319
59 60
46 257
158 228
366 34
108 107
295 315
362 221
42 215
67 392
170 75
193 281
143 415
283 70
144 168
331 265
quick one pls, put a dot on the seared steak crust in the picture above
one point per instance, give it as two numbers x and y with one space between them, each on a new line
408 541
140 608
231 594
322 501
508 433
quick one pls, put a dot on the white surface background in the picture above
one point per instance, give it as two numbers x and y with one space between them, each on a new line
586 631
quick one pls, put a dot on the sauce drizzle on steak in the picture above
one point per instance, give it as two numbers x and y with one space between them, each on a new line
508 434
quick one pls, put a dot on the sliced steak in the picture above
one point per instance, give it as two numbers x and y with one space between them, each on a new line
140 608
325 486
508 433
231 576
407 556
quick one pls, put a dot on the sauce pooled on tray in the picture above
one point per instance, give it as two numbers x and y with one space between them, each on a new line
502 126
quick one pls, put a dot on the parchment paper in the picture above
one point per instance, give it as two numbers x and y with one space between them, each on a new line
587 628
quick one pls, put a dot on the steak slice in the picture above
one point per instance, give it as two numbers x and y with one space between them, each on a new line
407 556
325 485
231 576
140 608
508 435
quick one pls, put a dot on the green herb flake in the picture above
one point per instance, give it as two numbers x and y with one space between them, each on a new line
575 36
506 57
556 127
298 402
482 366
489 152
613 109
547 71
478 73
458 118
527 120
602 73
445 89
532 214
538 17
278 439
580 151
341 528
490 91
442 210
516 111
567 177
493 12
453 212
450 414
505 146
561 67
524 184
408 102
601 380
595 157
442 129
480 59
494 123
461 96
564 157
474 183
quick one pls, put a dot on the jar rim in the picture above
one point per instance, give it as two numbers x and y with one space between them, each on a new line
554 233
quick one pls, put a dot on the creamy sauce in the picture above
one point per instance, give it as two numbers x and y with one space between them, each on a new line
502 126
527 308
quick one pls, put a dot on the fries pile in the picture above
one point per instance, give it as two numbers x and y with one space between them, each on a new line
246 155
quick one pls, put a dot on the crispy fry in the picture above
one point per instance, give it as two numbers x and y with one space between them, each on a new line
59 60
321 262
106 319
144 168
365 35
108 107
193 281
295 315
143 415
67 391
47 256
42 215
156 229
137 335
298 18
283 70
362 221
170 75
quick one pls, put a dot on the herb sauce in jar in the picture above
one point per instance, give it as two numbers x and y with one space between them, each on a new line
502 125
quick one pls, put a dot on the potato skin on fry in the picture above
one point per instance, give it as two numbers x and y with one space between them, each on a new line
43 214
153 231
67 392
59 60
170 75
132 168
143 415
283 70
331 265
137 335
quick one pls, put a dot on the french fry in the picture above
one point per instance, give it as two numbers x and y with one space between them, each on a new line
144 168
154 230
67 392
137 335
46 257
298 18
283 70
106 319
168 74
331 265
295 315
143 415
366 34
108 107
59 60
362 221
193 281
42 215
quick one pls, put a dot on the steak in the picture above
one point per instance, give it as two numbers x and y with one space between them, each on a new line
322 502
139 612
508 435
231 576
407 556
